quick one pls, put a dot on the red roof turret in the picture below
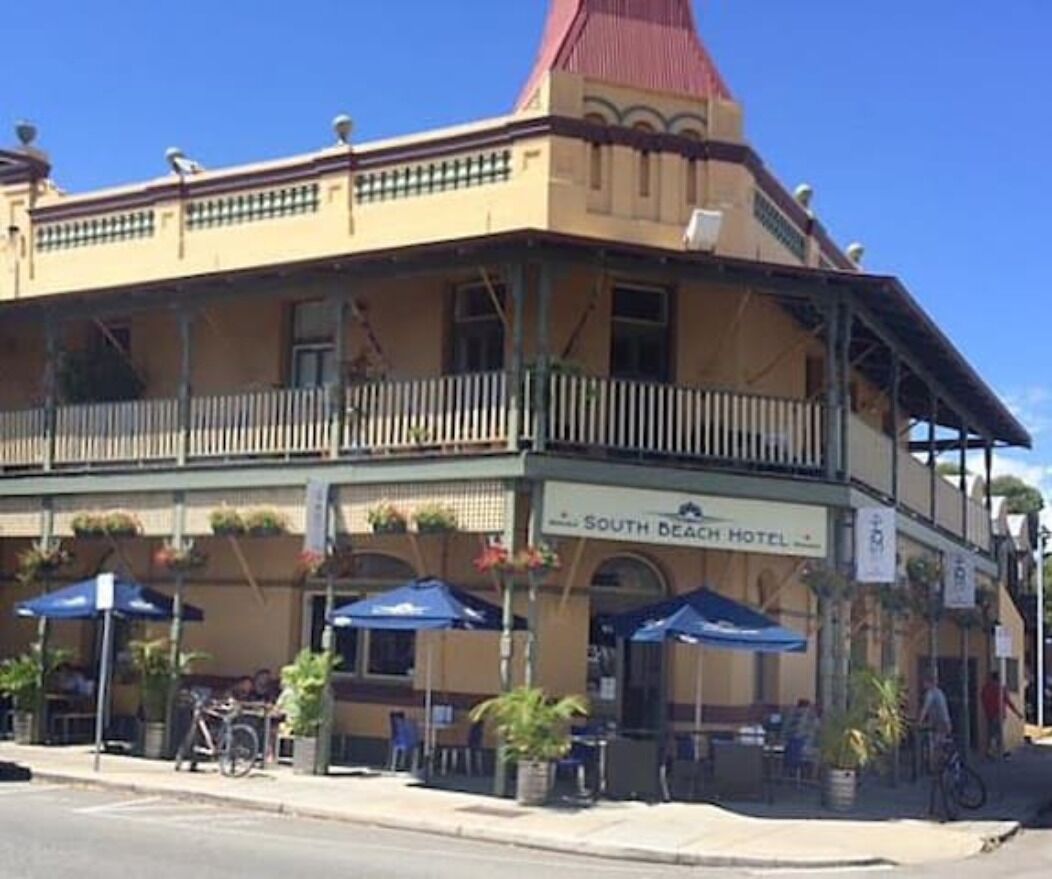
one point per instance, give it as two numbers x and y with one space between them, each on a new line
646 44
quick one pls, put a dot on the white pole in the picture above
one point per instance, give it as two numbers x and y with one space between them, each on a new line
697 703
428 730
104 680
1040 656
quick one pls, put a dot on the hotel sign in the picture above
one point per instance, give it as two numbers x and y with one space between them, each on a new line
636 515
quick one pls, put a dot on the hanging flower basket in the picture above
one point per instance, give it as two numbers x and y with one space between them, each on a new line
537 560
826 582
385 518
495 558
41 561
180 559
226 522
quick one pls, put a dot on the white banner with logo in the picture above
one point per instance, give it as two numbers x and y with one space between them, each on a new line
876 549
958 582
635 515
316 533
1002 643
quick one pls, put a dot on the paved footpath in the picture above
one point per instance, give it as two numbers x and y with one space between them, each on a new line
889 828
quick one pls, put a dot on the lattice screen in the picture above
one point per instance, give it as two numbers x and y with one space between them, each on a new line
154 511
289 502
20 517
479 506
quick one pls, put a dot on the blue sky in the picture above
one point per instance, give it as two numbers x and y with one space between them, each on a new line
923 126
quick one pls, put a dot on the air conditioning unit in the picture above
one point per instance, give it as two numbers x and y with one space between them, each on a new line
703 230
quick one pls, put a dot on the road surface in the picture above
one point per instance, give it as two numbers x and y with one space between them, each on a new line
62 832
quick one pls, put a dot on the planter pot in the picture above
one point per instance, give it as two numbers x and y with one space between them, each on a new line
533 782
841 789
389 528
228 532
265 532
22 727
92 534
305 755
435 529
153 740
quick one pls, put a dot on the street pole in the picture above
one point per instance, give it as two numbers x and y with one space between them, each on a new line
1039 677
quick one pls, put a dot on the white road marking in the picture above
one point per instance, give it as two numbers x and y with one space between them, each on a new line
823 871
118 806
20 789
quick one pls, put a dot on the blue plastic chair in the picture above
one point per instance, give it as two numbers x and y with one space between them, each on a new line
795 761
576 760
404 743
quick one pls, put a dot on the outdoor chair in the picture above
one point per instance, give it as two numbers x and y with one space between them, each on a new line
683 778
576 761
471 751
738 771
797 762
404 744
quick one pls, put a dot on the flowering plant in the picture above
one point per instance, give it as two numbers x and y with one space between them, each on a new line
40 560
180 558
537 558
495 557
312 563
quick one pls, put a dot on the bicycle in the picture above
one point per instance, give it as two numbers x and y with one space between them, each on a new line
215 735
958 785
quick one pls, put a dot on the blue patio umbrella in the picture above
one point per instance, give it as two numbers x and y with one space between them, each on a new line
706 618
79 601
103 597
423 605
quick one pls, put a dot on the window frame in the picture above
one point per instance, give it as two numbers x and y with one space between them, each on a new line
457 320
667 372
308 344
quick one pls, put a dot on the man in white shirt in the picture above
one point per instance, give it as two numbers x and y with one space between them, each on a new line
935 715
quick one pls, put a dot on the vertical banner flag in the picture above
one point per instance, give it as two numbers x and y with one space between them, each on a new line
316 535
876 549
1002 643
958 587
105 587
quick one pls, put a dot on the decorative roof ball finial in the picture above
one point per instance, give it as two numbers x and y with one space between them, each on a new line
803 194
343 125
855 252
26 132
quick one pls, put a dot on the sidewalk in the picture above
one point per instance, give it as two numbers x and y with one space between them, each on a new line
793 832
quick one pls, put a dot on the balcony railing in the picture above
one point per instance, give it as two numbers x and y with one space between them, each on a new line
870 457
473 414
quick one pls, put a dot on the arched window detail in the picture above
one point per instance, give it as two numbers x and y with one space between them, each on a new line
595 156
691 183
644 161
630 575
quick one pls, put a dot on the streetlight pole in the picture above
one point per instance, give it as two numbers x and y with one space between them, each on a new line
1042 539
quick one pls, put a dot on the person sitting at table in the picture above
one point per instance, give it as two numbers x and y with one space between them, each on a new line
264 687
243 690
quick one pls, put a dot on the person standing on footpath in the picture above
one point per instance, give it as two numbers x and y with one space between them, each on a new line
996 705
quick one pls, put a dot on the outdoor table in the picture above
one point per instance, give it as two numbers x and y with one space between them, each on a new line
599 743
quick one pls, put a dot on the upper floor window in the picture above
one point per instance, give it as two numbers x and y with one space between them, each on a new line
313 354
639 329
478 330
595 156
691 187
644 162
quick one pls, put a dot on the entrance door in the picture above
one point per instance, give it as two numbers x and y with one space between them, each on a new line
626 681
950 681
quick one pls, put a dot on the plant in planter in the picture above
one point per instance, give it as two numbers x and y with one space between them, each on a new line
385 518
41 561
180 559
114 524
304 683
829 583
152 661
265 523
20 679
495 558
419 435
89 525
226 522
435 519
846 747
535 730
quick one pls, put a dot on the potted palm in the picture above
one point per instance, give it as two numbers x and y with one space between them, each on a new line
535 730
304 684
20 679
845 747
152 661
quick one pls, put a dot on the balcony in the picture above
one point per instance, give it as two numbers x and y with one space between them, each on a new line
471 415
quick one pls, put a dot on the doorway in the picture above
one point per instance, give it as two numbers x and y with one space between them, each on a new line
626 681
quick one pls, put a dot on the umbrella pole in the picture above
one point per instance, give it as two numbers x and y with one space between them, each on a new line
176 649
697 702
428 730
104 681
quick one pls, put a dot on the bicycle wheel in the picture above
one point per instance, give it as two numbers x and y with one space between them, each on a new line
238 751
951 807
969 788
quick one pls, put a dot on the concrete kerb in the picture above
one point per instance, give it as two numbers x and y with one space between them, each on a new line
607 851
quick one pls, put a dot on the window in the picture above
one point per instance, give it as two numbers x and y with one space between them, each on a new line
1012 675
691 186
313 355
363 652
639 327
644 162
595 155
346 639
478 330
814 377
629 575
